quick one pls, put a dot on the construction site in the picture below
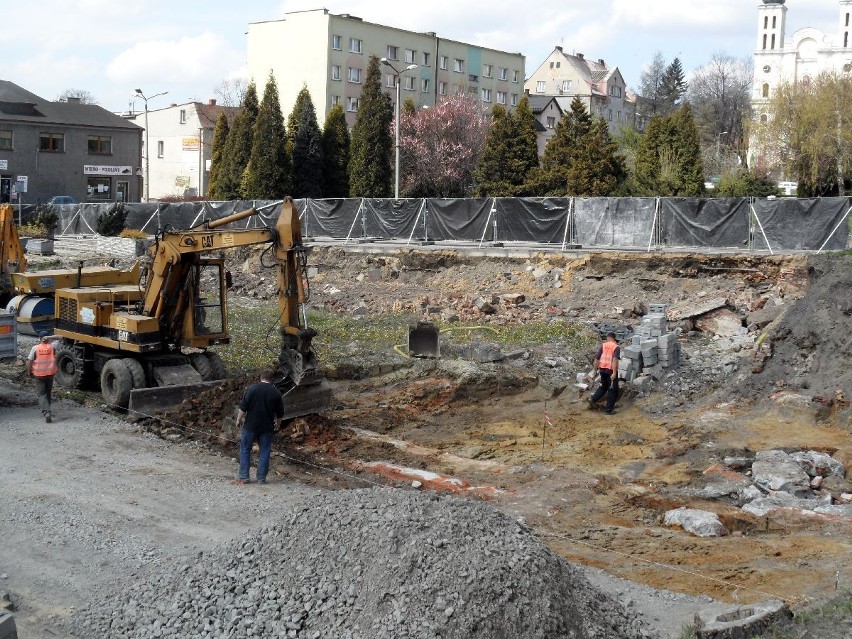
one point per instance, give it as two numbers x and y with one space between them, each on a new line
456 481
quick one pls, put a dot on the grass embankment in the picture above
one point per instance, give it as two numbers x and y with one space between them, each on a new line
254 335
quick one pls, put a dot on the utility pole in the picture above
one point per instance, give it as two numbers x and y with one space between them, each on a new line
147 146
396 74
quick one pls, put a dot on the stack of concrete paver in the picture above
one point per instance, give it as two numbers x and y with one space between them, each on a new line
651 349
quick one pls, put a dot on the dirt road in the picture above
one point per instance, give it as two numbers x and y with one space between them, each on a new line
88 500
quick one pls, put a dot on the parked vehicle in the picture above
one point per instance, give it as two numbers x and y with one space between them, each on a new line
62 199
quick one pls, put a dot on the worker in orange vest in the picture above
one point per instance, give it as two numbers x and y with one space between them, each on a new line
606 361
41 364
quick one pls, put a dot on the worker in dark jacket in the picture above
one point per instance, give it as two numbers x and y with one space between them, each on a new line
606 361
259 414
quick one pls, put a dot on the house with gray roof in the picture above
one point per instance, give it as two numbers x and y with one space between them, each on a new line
65 148
601 87
548 112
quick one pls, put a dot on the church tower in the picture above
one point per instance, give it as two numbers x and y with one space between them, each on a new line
845 38
772 22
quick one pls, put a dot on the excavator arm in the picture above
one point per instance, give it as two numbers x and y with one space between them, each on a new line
12 258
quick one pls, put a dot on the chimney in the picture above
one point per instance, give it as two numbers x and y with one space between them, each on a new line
558 48
580 55
212 102
73 100
601 62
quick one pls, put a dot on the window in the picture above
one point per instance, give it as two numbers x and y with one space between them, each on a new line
6 140
774 23
566 86
335 42
390 81
764 119
458 65
161 149
501 97
847 19
424 85
442 88
766 22
183 116
408 83
472 78
845 39
354 75
773 42
410 56
352 104
486 95
765 90
551 122
393 52
354 45
558 64
487 70
97 188
515 75
426 57
539 86
764 42
100 145
335 71
618 116
551 64
53 142
503 73
514 99
610 115
335 100
443 61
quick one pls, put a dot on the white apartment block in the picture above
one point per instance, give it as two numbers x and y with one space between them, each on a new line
602 88
329 54
806 54
181 140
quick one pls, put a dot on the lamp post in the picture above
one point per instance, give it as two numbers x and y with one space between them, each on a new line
719 151
396 74
147 147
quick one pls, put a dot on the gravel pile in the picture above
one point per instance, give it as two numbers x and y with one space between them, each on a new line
376 563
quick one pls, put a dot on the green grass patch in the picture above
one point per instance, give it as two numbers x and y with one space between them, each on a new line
255 338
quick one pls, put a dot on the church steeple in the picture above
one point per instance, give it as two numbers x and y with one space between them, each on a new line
772 19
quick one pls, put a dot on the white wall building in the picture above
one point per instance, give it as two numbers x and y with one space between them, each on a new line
181 140
804 55
329 54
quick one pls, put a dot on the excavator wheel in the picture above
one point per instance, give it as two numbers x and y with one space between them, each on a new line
70 372
209 366
116 383
137 373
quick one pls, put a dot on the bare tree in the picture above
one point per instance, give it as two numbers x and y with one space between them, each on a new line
720 95
651 82
80 94
231 91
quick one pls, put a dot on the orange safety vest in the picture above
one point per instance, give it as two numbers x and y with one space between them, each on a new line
44 363
607 352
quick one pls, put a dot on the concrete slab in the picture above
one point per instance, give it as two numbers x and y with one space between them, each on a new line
741 622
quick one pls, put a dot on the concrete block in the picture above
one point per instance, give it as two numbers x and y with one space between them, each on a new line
649 343
664 340
658 309
631 352
649 358
636 340
741 622
8 629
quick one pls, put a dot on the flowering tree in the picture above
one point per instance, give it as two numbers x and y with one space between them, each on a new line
440 147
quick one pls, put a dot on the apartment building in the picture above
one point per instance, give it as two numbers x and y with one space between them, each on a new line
329 54
601 87
181 140
65 148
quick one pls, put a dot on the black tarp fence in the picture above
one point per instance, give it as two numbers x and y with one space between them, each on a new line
784 224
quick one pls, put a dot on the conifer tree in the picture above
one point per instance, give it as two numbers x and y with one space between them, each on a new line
668 160
237 151
269 172
335 154
370 170
293 119
510 154
307 149
673 87
217 151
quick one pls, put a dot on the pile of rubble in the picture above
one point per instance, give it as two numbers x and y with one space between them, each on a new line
376 563
808 482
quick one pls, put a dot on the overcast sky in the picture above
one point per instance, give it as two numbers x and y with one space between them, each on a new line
109 48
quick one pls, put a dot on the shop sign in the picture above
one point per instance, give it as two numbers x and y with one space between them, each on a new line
90 169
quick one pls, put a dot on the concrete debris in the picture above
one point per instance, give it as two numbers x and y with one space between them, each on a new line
722 322
777 471
698 522
764 505
375 563
694 310
817 464
741 622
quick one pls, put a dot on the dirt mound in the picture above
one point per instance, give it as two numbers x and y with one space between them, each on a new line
809 349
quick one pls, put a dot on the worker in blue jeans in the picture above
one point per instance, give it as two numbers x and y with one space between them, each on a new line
606 361
259 414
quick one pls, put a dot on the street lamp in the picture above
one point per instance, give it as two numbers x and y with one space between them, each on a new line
396 74
719 151
147 148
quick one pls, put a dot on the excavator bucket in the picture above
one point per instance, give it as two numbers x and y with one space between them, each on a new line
298 401
423 340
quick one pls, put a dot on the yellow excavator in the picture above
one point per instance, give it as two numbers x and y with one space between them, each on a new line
12 258
147 345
